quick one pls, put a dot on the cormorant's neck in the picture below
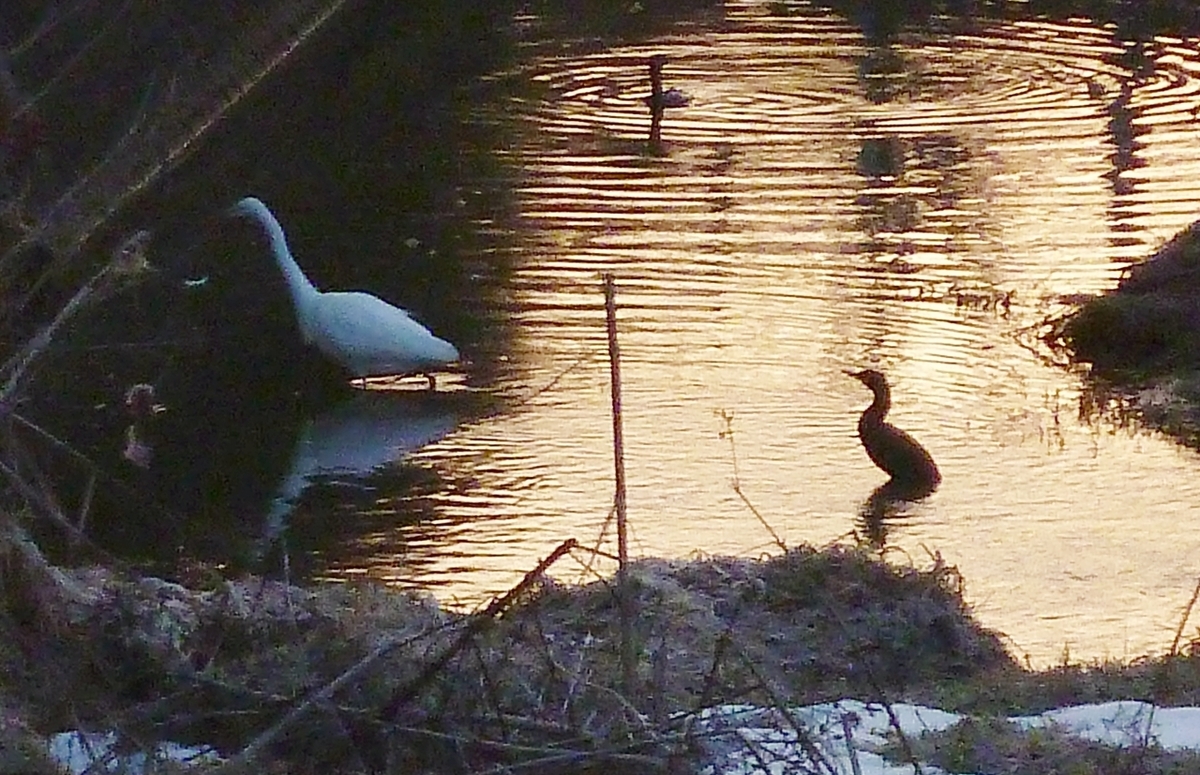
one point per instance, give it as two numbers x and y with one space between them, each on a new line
880 406
656 82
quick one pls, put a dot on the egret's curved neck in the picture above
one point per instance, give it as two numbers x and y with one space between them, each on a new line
298 285
880 406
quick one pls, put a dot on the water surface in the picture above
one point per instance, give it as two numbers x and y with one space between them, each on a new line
919 205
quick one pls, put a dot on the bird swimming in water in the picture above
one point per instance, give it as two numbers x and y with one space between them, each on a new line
364 334
899 455
659 99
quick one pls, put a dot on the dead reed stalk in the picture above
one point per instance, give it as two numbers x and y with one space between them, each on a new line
623 594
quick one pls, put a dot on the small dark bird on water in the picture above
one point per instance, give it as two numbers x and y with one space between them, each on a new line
659 100
893 450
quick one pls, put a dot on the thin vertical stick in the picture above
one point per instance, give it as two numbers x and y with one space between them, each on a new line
614 360
623 592
1187 613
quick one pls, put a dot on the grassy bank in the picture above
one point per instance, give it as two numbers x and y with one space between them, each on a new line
365 678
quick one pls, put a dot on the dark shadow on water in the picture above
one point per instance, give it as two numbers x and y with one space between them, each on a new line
213 332
224 473
363 145
887 506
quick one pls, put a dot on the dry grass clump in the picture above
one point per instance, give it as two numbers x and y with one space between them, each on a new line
1172 680
1148 324
1001 747
156 660
799 628
374 679
823 622
1142 338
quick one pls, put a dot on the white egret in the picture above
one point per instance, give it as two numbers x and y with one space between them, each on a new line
363 333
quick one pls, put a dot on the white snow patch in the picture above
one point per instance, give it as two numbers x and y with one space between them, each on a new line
748 740
1125 723
96 752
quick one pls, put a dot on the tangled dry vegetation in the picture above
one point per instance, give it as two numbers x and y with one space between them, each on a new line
364 678
1141 341
347 678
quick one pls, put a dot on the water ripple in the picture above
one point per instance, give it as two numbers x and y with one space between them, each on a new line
821 204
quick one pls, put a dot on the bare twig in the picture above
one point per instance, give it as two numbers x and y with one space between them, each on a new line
94 472
803 738
242 761
133 135
85 503
129 259
473 628
614 360
547 757
1183 620
491 691
625 604
208 88
848 737
727 418
54 16
881 696
116 20
35 565
559 377
710 679
595 548
37 498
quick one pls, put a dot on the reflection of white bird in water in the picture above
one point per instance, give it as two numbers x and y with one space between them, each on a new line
363 333
890 448
353 440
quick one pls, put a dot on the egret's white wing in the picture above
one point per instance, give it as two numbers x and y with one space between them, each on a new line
373 338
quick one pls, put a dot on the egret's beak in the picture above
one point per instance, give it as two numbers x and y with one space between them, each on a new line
239 208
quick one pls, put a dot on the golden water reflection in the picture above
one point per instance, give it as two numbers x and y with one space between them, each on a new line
793 226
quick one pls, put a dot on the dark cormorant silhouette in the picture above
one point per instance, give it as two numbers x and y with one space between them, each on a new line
660 100
913 472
